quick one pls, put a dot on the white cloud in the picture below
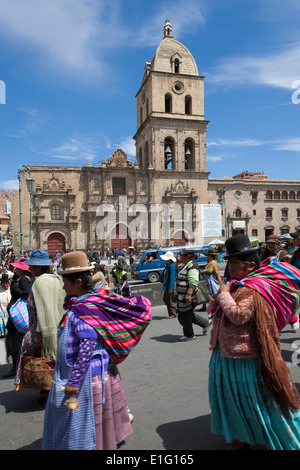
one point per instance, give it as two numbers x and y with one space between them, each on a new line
194 16
279 69
248 142
292 144
76 148
73 35
34 120
289 144
212 158
63 31
10 184
128 145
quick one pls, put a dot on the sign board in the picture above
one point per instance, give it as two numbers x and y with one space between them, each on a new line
211 220
153 292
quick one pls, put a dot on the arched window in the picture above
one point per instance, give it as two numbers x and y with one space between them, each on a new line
276 195
176 66
189 155
298 194
168 103
284 195
169 154
188 105
140 158
141 115
292 195
238 213
55 212
269 195
146 155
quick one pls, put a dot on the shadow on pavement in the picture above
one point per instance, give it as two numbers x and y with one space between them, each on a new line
193 434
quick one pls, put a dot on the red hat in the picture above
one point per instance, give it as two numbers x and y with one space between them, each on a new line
19 264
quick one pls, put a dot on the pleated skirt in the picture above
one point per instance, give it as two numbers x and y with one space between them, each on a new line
238 410
112 423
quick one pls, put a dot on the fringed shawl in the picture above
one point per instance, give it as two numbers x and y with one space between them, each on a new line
118 321
276 283
279 284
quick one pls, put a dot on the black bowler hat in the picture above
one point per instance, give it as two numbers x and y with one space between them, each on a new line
4 278
295 234
239 245
187 252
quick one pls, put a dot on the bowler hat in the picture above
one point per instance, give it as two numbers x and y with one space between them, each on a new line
187 252
273 239
39 258
239 245
295 234
4 278
211 253
74 262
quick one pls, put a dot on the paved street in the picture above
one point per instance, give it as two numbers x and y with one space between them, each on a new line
166 388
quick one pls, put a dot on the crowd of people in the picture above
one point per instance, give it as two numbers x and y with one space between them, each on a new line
74 303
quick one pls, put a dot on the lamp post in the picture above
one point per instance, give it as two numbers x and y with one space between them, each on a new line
21 173
223 205
30 187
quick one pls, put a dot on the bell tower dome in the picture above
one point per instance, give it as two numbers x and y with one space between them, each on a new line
171 129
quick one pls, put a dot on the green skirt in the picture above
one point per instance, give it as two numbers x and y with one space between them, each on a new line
238 410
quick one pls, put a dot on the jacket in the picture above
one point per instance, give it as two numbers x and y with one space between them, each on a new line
170 277
235 329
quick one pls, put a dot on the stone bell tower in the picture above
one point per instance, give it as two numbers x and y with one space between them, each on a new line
171 129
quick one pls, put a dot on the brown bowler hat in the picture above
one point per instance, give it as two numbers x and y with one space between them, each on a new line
74 262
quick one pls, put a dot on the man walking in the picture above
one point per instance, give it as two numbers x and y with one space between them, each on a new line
187 281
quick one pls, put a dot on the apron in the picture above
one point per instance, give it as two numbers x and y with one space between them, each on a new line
66 429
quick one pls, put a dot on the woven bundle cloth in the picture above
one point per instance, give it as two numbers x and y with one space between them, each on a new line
279 284
119 321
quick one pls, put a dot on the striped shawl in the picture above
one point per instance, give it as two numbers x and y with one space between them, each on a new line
118 321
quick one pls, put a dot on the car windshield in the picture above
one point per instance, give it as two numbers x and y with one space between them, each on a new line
138 258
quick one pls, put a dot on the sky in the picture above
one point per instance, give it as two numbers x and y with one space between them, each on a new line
70 71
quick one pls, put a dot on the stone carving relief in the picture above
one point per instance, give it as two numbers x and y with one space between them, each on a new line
119 159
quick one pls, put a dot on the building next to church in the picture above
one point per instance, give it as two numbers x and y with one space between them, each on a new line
165 197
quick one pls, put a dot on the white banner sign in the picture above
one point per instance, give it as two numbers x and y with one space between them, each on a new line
211 219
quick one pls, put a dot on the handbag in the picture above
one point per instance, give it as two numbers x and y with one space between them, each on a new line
19 314
37 372
201 293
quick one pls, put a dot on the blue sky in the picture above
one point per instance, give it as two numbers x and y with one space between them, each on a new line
70 70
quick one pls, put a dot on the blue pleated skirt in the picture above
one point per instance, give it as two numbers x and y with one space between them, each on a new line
237 408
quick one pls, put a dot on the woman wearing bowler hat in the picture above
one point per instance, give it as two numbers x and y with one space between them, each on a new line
84 372
253 398
45 309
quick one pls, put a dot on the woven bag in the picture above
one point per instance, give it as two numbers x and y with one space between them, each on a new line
37 372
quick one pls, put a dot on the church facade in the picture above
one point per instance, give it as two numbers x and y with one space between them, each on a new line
166 196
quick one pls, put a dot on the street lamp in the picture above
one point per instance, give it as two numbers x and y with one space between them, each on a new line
30 187
21 173
223 205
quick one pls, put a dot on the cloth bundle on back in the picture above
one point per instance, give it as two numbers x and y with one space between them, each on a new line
98 330
279 284
119 321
